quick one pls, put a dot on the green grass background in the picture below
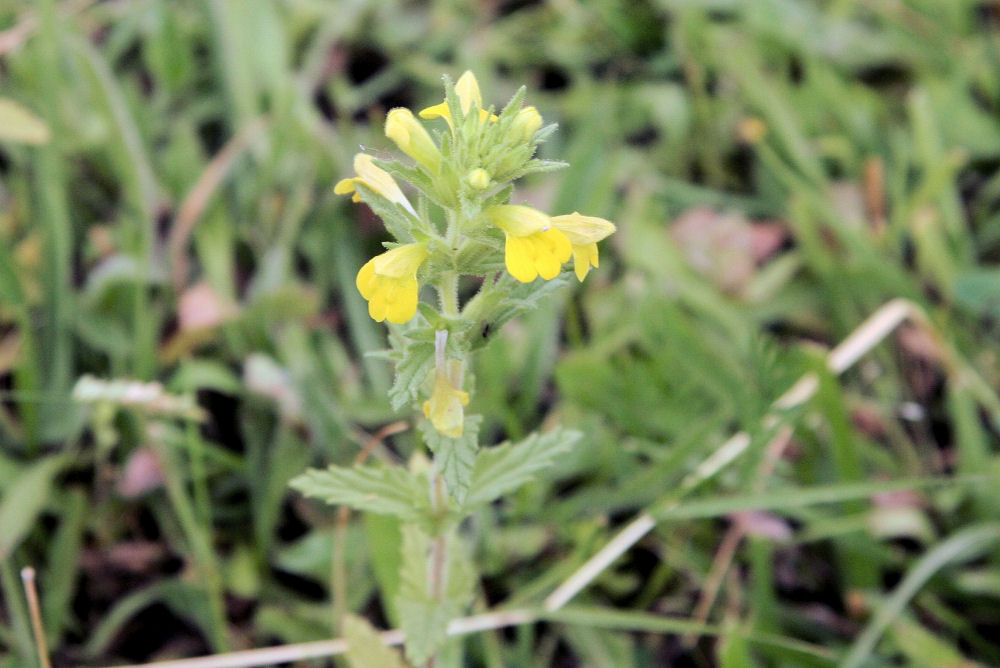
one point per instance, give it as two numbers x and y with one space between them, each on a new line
863 136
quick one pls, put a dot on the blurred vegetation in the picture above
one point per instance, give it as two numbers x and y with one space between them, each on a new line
778 169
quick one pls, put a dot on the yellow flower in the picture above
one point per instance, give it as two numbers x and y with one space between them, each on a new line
533 247
375 178
467 90
583 233
389 283
444 408
402 127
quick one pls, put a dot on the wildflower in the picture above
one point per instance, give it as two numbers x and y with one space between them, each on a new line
467 90
533 247
402 127
444 408
389 282
583 233
526 123
375 178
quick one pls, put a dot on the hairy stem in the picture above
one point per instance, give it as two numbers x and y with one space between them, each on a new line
436 574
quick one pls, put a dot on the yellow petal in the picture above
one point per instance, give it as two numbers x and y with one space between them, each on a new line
518 220
377 305
344 186
584 257
437 111
553 249
583 230
366 279
379 180
467 89
401 260
403 305
519 256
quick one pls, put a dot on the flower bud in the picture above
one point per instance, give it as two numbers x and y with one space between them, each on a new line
402 127
478 179
525 124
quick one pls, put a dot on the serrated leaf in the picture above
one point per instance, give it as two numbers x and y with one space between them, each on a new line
505 301
376 489
385 532
393 216
424 621
424 617
20 125
506 467
456 457
411 372
366 648
461 582
414 177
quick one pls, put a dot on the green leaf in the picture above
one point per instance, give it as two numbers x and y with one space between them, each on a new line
393 216
921 647
425 614
978 290
456 457
964 545
734 652
424 620
506 467
183 598
415 363
64 561
376 489
384 532
20 125
25 499
366 646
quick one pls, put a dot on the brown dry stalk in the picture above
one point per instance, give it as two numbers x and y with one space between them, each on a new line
201 193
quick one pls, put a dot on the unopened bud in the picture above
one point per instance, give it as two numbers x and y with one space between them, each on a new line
479 179
402 127
527 122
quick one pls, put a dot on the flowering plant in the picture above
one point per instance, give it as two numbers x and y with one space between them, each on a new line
463 224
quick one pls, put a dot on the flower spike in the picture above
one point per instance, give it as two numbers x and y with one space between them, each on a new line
389 282
583 233
533 248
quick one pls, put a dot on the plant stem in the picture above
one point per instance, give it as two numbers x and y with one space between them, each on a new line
436 575
448 290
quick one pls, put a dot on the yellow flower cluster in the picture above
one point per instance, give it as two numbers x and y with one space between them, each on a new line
536 244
